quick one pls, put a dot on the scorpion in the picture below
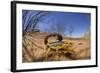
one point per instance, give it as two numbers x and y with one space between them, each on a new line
58 46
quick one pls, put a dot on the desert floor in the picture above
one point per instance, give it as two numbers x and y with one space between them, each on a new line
33 49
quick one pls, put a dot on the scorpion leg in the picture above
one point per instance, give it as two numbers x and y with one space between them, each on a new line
47 51
58 55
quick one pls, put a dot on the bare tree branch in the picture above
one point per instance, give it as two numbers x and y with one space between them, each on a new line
34 19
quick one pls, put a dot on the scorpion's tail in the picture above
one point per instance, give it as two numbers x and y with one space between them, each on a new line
59 37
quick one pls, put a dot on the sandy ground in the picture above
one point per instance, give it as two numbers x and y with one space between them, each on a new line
33 49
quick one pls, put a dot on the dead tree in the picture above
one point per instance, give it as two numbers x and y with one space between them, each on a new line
70 29
58 27
32 19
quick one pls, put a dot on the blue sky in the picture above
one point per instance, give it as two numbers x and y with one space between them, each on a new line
51 21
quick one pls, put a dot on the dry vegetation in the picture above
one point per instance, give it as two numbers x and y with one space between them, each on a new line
33 48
